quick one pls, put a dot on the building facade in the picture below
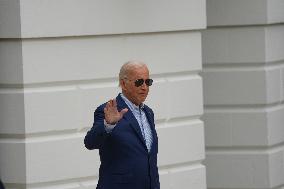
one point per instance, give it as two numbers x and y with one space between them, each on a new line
218 93
60 59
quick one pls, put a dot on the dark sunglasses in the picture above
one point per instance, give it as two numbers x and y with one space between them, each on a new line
139 82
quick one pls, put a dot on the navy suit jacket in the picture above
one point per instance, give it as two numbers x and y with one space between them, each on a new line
125 160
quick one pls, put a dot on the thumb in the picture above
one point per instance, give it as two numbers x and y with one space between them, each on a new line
123 111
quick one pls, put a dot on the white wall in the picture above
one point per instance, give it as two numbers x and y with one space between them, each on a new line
60 59
243 56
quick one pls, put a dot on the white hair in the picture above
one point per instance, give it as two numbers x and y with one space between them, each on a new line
129 66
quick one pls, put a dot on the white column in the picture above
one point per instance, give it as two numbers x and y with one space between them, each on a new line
243 56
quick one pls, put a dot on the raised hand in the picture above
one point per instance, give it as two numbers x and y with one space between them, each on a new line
112 115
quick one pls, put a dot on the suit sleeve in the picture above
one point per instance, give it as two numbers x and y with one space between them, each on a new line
97 135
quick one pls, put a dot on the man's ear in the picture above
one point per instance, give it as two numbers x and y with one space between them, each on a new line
122 84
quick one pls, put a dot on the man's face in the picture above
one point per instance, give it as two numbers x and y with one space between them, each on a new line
135 94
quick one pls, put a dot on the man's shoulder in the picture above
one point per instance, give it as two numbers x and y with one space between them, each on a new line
148 108
101 107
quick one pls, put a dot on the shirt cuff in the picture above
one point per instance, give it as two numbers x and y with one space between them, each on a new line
108 127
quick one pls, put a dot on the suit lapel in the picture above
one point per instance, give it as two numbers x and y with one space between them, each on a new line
131 118
152 125
149 117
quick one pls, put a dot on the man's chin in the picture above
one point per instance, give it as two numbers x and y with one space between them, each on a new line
142 100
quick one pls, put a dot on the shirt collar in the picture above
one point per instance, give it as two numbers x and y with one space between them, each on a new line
130 104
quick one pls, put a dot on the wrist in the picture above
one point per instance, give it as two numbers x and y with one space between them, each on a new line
109 123
108 127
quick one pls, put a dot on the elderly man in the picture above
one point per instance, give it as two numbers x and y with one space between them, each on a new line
124 132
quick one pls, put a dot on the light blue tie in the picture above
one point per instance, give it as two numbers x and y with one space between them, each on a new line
146 130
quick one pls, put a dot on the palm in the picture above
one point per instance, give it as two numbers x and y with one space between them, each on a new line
112 115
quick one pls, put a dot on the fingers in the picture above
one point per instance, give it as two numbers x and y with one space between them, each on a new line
111 103
107 106
114 103
111 109
123 111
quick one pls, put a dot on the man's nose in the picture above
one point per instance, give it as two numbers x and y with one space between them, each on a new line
144 86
